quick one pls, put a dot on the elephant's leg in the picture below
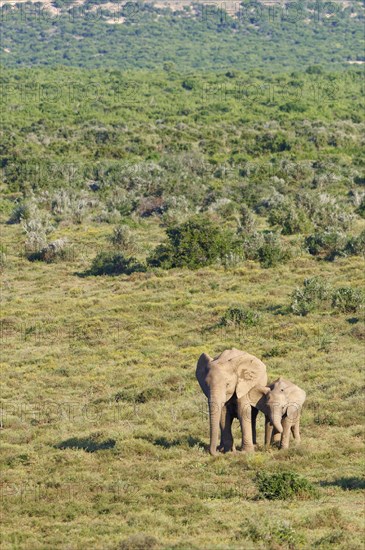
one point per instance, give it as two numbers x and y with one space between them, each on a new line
254 413
295 431
268 431
245 418
286 423
226 430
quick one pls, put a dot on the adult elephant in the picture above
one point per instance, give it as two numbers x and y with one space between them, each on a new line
281 402
229 377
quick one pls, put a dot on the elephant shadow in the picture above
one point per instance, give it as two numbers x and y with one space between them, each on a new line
88 444
346 483
182 441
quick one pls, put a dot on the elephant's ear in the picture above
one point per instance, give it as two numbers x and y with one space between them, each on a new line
201 372
250 374
296 395
257 392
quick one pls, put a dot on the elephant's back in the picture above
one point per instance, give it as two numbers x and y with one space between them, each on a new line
239 357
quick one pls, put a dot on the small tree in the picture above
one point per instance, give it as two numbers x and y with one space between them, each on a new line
123 239
193 244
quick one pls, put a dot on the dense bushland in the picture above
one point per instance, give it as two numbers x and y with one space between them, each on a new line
184 37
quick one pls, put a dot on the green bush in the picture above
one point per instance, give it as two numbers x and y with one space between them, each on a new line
290 219
237 316
272 252
356 245
246 221
283 486
109 263
348 300
123 239
22 211
327 244
315 292
251 245
193 244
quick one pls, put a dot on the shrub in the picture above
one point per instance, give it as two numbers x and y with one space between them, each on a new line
348 300
325 211
61 202
361 208
79 209
283 486
314 292
272 252
327 244
23 211
237 316
122 238
108 263
251 245
289 218
246 221
226 208
139 542
356 245
193 244
52 252
36 231
120 201
150 205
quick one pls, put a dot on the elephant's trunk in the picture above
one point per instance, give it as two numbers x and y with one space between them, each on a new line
215 408
276 421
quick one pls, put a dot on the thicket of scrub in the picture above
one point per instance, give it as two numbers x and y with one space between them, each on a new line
202 36
181 152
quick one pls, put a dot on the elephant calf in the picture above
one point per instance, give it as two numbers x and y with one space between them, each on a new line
281 402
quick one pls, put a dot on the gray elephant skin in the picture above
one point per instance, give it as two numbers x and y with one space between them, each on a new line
226 380
281 402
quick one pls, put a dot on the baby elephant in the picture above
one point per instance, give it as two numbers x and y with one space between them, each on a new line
281 402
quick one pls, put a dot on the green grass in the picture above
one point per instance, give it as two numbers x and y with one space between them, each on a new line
105 428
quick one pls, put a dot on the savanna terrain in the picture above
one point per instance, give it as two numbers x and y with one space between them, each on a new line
148 216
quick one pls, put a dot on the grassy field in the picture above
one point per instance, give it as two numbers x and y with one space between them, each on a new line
105 428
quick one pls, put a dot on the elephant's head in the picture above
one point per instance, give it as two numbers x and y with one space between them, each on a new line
280 398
